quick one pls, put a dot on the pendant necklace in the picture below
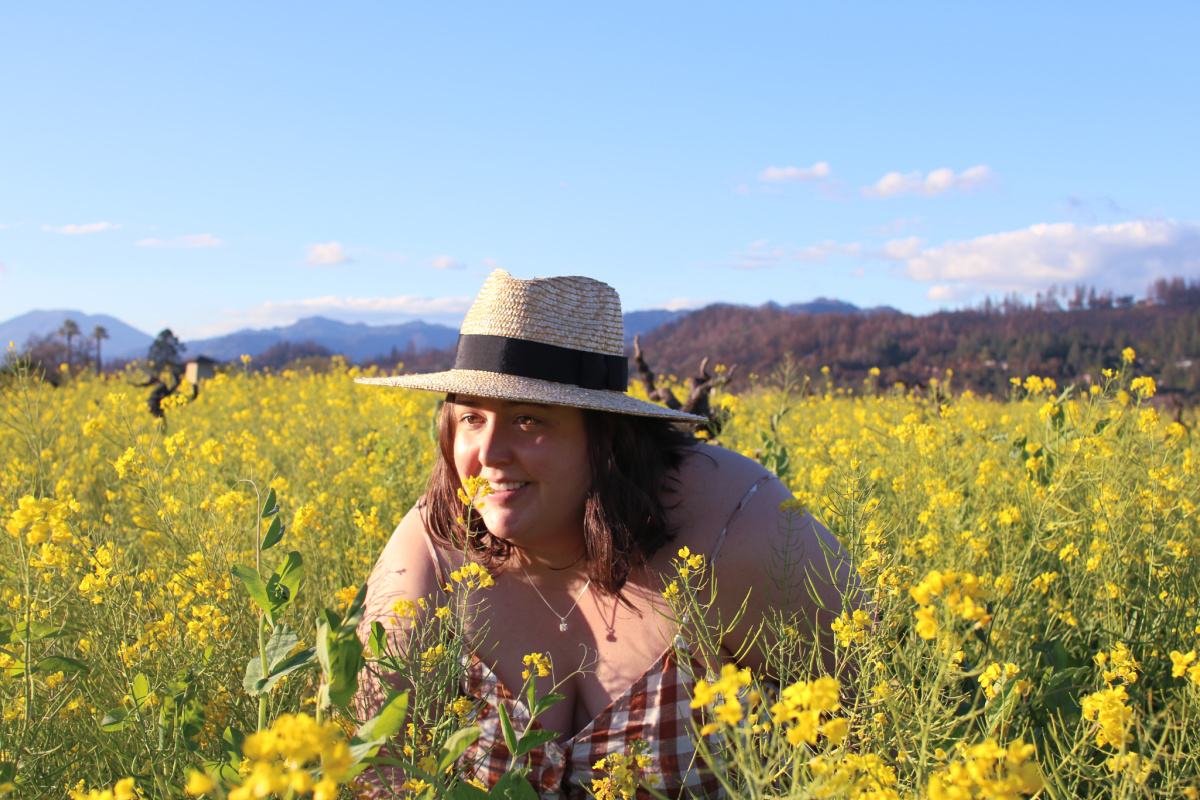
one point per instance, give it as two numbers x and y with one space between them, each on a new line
562 618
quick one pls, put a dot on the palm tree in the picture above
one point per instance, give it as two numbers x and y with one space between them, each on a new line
99 333
69 330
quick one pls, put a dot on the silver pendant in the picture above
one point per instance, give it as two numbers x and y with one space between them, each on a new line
562 626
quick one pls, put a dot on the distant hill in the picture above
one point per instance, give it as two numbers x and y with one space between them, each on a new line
639 322
985 347
125 341
356 341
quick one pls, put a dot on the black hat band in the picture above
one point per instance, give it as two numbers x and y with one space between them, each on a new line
545 362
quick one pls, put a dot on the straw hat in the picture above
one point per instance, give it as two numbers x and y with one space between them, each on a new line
559 341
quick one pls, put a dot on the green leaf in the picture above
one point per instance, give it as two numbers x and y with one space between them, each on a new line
274 534
284 583
52 664
114 720
510 736
465 791
283 640
545 701
355 612
269 505
324 632
456 745
378 639
514 786
390 718
293 663
141 689
347 660
533 740
254 585
387 723
33 631
253 682
231 745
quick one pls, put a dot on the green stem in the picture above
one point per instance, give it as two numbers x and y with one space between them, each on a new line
262 654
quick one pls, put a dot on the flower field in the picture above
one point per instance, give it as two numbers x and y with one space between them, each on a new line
1027 625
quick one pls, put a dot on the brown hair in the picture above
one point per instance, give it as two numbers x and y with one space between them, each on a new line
625 519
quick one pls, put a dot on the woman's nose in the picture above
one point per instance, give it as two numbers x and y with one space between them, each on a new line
494 447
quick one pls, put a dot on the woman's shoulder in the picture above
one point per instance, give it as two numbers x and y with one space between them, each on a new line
711 485
709 465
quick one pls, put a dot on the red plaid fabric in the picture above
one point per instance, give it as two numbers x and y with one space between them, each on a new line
656 708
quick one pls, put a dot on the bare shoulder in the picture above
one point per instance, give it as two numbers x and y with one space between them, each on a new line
405 569
711 482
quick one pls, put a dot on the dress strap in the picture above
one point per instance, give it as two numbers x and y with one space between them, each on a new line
741 504
438 564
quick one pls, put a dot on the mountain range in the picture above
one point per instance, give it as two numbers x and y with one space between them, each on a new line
124 341
356 341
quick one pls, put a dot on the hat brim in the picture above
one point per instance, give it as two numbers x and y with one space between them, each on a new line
511 387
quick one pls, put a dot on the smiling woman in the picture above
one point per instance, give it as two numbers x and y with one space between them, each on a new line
588 485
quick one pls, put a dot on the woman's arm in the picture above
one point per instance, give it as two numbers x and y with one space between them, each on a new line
405 571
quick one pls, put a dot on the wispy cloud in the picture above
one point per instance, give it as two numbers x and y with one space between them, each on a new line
75 230
195 240
895 226
821 251
1125 257
490 263
375 310
758 255
326 255
818 171
446 262
898 249
938 182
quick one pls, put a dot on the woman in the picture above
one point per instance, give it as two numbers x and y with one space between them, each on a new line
589 486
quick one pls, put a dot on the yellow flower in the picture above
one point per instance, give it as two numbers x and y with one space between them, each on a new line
1180 662
199 783
540 664
1128 355
1111 714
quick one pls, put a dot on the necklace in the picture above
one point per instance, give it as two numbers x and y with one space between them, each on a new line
562 618
568 566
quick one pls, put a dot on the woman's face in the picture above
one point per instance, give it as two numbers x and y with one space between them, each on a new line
536 459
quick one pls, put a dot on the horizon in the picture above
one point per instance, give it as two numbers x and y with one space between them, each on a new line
218 169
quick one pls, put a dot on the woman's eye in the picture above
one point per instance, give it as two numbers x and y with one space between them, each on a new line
525 421
468 419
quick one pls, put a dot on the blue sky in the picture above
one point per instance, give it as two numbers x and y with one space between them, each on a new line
215 166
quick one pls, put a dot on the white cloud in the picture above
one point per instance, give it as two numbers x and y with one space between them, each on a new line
1124 257
683 304
821 251
326 255
899 249
759 256
938 182
950 293
490 263
895 226
374 310
816 172
75 230
446 262
195 240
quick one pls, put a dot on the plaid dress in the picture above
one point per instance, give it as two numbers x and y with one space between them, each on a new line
656 708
